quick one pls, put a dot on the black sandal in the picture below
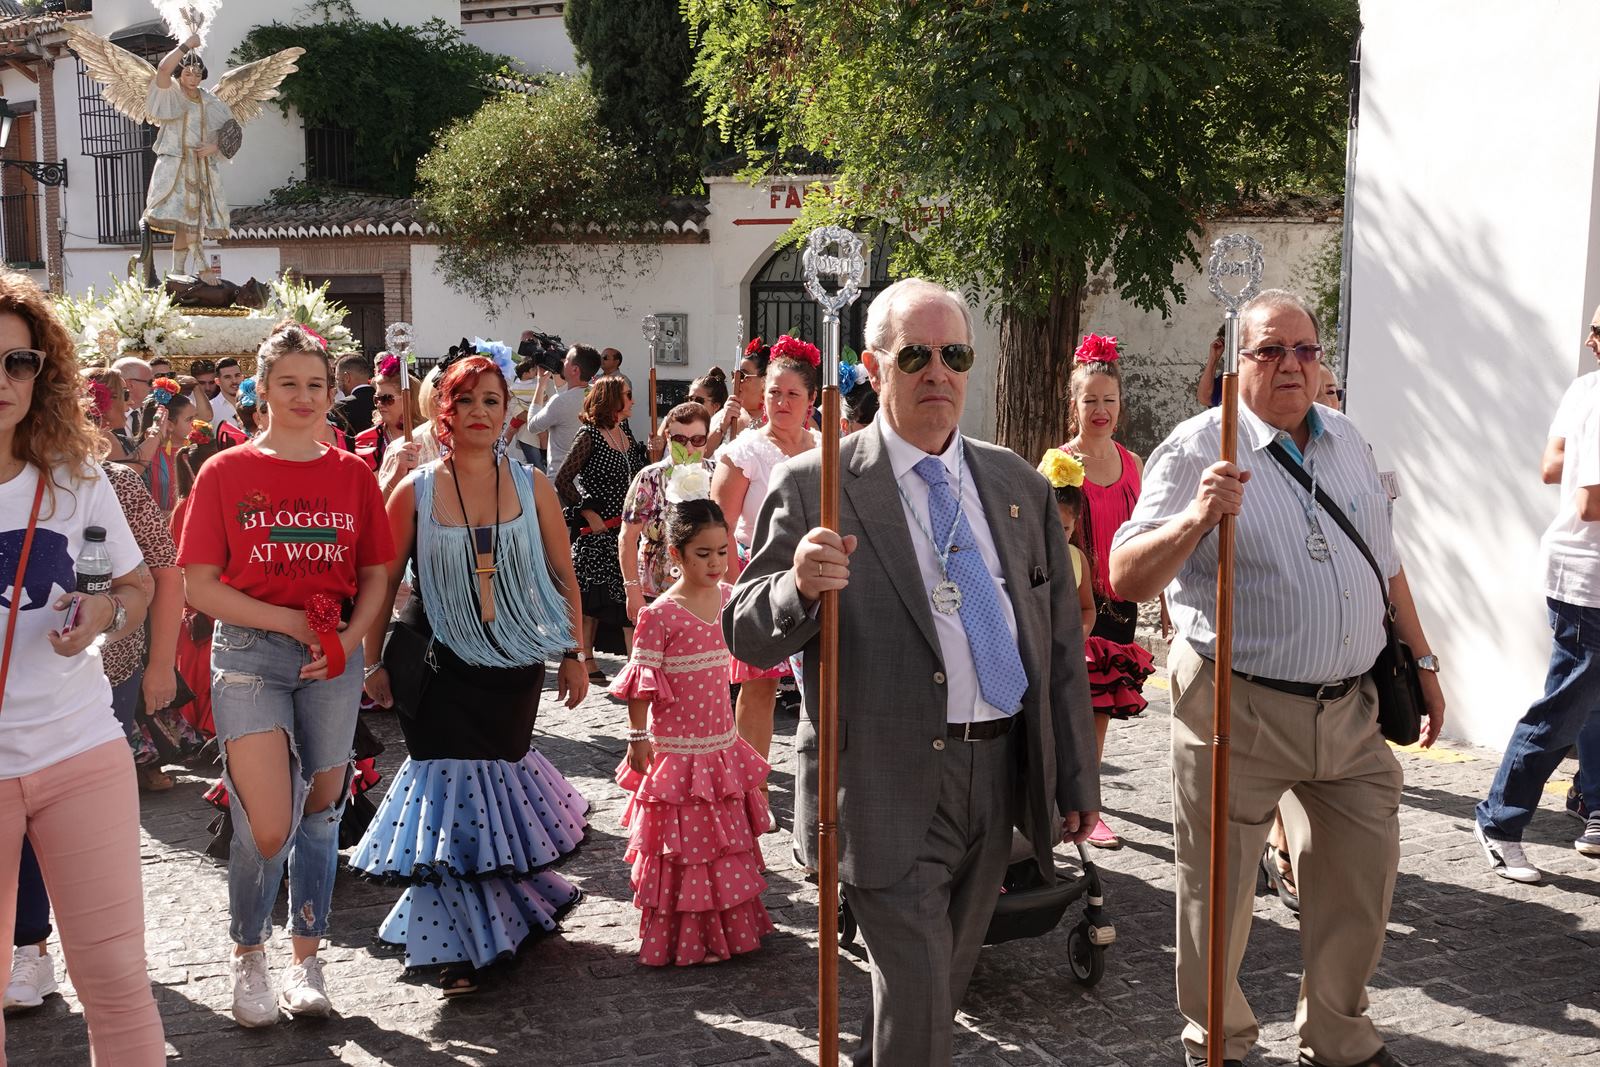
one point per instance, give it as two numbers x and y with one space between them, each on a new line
1277 881
457 980
595 673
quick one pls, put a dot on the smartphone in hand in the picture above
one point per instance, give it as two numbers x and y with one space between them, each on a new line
74 610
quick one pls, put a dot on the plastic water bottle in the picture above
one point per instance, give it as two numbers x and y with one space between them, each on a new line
94 563
93 567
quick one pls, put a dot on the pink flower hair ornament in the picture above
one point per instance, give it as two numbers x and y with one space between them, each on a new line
99 396
388 364
315 336
1097 349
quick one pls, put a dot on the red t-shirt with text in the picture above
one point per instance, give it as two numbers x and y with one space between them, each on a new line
283 531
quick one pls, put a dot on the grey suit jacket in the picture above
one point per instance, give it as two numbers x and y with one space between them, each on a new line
892 699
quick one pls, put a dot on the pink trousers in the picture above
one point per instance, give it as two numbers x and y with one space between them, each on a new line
82 815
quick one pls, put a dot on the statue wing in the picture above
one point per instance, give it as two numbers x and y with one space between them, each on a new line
124 78
244 89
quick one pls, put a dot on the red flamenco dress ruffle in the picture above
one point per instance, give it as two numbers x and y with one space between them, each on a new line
1117 675
694 819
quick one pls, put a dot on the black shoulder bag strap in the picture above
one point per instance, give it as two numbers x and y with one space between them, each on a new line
1298 473
1394 672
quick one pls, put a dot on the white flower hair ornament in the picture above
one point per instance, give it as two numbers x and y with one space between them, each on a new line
686 482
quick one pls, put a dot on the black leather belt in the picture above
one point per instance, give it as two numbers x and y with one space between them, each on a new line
980 731
1314 690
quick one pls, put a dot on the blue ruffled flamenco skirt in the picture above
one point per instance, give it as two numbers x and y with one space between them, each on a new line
469 839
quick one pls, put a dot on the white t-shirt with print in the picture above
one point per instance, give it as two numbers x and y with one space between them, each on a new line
55 707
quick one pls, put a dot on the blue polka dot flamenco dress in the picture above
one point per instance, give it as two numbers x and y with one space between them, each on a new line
475 815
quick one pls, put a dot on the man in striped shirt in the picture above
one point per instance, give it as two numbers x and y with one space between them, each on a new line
1308 623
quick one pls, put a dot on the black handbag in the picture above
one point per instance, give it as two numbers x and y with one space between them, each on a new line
1394 672
408 657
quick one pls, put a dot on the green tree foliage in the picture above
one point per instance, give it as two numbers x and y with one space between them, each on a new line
639 60
524 190
395 86
1058 137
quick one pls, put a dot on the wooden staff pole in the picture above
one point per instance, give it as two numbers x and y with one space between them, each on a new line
1222 719
828 734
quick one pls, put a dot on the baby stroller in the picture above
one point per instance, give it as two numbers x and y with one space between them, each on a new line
1030 908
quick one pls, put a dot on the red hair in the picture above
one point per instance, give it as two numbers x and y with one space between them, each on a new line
462 377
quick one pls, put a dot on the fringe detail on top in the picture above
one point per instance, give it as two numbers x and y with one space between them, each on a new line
531 617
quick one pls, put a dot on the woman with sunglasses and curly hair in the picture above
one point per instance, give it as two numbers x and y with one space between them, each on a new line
66 773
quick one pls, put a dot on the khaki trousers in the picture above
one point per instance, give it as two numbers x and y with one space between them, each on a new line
1344 837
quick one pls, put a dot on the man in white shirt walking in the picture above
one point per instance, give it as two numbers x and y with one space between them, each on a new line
1569 710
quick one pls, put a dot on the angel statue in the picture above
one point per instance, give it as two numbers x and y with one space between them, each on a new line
196 126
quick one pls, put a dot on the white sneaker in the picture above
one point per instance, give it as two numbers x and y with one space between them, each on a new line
252 990
33 977
303 990
1506 858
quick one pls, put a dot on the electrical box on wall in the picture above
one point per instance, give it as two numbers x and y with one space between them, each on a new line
673 347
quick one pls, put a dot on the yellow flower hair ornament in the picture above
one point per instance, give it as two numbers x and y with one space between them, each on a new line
1061 469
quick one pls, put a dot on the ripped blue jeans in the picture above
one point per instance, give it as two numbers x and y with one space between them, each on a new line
256 687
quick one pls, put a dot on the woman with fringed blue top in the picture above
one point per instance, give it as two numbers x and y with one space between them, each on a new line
475 815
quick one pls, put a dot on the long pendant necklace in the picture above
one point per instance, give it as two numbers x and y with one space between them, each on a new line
1316 541
483 543
946 595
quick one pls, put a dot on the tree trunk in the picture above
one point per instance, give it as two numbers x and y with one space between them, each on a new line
1032 389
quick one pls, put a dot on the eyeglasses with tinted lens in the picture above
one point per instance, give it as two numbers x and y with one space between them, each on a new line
913 358
744 375
689 440
1275 353
23 364
383 400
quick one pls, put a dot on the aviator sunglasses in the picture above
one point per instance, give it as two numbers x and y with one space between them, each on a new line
912 358
23 364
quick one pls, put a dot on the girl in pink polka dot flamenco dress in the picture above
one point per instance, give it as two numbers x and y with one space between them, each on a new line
697 811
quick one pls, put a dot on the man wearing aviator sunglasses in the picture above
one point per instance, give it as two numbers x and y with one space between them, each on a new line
963 675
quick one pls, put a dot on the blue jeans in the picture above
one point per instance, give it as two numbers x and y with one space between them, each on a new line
125 701
1551 725
33 903
532 455
256 687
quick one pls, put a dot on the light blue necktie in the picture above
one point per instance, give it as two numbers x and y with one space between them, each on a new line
1001 677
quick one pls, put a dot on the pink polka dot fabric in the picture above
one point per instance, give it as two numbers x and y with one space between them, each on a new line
694 819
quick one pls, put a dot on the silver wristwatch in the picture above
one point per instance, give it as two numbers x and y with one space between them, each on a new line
1427 663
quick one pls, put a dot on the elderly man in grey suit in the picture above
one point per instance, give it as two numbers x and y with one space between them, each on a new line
963 701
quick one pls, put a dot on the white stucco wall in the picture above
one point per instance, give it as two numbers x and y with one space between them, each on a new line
1476 267
540 44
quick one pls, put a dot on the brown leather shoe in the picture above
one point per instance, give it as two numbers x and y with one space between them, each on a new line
152 779
1381 1058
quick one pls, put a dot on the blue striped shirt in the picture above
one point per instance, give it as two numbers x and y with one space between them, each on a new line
1294 618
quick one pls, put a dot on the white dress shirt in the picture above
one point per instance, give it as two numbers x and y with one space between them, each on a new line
1294 619
965 702
222 410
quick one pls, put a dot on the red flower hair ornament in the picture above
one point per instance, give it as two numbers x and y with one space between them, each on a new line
1096 349
754 347
323 616
794 348
99 396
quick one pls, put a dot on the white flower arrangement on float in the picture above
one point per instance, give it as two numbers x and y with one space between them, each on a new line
294 299
142 319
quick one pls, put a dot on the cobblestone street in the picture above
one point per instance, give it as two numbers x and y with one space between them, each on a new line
1477 971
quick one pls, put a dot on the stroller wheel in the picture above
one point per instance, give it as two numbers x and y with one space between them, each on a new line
1087 960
